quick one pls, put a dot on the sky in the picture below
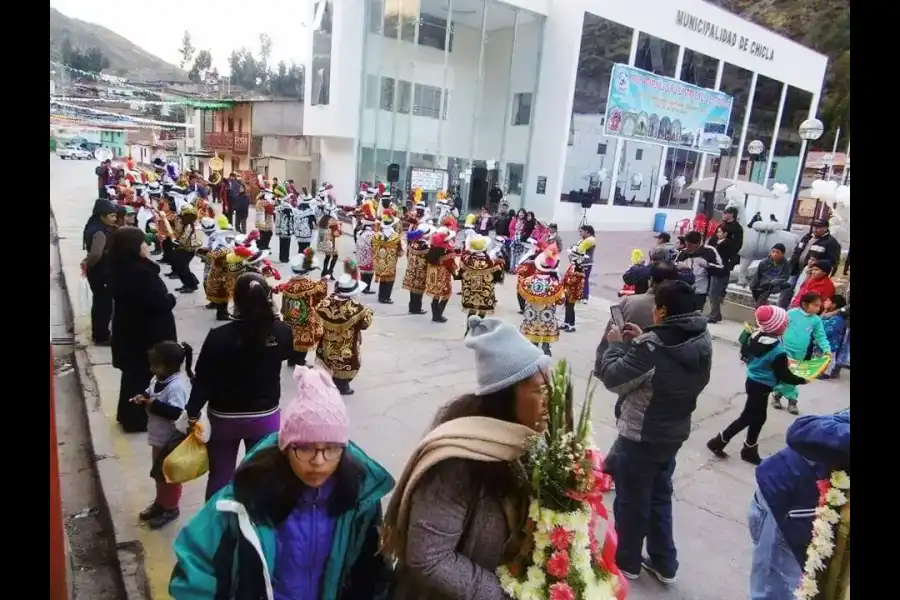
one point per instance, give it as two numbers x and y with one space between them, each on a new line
219 27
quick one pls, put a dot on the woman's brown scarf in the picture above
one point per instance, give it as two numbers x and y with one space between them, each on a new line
472 438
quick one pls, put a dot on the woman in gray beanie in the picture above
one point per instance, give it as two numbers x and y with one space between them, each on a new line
459 508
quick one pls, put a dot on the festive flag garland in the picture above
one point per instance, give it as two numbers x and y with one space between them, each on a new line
200 104
128 117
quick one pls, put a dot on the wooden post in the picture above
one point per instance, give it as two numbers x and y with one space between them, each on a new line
59 589
837 578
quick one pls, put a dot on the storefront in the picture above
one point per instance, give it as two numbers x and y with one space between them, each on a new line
484 93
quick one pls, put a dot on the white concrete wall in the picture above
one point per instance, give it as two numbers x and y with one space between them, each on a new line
338 166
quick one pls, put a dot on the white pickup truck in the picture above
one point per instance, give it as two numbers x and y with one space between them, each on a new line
74 153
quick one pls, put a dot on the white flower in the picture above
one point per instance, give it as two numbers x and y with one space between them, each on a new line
827 514
824 547
535 576
823 529
835 497
814 561
808 587
840 480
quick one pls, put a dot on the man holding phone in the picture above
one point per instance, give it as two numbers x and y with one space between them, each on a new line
658 373
638 309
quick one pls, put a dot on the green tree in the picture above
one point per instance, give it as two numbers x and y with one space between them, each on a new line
201 67
187 49
287 81
91 61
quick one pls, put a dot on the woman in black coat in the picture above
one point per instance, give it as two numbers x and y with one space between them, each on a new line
142 317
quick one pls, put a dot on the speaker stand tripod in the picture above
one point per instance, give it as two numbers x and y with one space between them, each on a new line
584 219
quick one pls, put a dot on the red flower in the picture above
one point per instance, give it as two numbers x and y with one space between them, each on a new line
824 485
515 569
561 591
560 537
558 565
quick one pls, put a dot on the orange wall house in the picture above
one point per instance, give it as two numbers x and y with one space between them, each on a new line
227 132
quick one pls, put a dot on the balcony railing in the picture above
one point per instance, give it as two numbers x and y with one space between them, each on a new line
225 140
218 140
241 143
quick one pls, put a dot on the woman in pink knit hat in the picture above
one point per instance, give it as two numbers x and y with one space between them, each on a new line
301 518
767 365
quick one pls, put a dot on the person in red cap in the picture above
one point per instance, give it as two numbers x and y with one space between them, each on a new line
441 269
767 366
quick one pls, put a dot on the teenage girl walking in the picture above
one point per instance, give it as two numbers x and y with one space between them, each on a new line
767 366
165 399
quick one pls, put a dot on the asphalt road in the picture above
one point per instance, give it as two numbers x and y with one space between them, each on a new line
412 366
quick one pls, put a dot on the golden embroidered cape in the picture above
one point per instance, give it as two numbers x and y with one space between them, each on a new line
386 252
416 267
573 282
542 294
439 277
300 296
328 238
188 239
216 285
477 271
343 321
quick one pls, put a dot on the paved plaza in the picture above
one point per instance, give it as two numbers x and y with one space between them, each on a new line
410 367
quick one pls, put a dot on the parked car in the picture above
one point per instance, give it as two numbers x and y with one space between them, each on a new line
74 153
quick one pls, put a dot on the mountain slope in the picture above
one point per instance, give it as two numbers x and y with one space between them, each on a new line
126 59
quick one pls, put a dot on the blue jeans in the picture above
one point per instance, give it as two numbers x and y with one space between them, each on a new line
643 504
775 572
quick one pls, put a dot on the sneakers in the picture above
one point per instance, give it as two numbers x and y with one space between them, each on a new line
567 328
792 407
750 454
662 577
627 575
776 401
717 446
163 518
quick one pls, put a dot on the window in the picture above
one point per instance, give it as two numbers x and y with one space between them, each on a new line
427 101
376 10
743 168
638 154
321 62
772 170
240 126
433 32
371 91
404 96
522 109
601 149
208 123
515 175
230 124
387 93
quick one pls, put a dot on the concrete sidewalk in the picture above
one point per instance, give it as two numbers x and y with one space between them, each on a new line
411 367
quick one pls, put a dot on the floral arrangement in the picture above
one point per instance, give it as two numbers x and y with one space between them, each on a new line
564 559
834 494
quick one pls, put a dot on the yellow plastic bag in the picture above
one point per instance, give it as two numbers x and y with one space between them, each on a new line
188 460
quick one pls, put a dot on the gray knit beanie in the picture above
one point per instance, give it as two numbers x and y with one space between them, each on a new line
504 356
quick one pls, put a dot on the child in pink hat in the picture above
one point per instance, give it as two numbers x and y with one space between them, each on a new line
303 497
767 366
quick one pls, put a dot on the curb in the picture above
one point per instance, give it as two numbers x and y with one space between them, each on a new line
130 553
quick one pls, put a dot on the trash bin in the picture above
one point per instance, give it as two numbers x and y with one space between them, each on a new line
659 222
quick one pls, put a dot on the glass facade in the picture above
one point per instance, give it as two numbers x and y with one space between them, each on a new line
761 127
448 96
321 60
590 154
786 155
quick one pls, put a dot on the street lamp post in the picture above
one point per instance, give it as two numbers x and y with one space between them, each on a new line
724 143
754 149
809 130
827 161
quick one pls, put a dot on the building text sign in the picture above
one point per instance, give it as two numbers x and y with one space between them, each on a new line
725 36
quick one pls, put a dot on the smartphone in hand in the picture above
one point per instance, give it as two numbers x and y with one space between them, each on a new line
618 317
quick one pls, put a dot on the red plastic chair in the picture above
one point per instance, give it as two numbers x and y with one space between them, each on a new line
711 228
681 227
699 223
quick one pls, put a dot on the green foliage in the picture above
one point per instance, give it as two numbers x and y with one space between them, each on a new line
252 72
92 60
202 67
187 49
